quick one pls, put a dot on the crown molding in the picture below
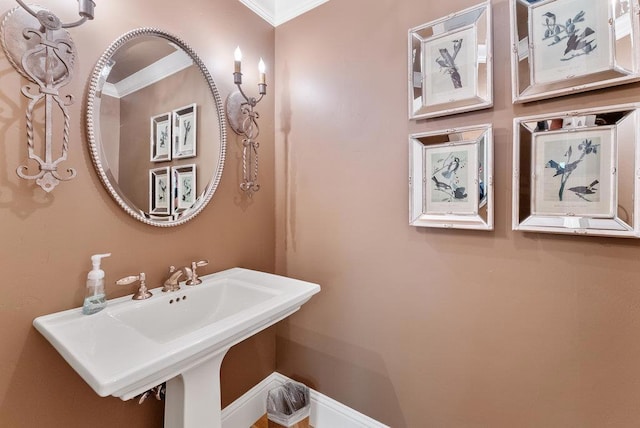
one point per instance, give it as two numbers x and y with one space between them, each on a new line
277 12
149 75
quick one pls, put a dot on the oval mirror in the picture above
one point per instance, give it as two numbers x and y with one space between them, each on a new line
155 126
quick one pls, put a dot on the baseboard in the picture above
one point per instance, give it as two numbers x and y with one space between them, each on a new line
325 412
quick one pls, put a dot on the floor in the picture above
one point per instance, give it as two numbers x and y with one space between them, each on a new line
263 422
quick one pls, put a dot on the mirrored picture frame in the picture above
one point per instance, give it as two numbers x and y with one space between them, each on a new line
451 178
185 128
561 47
160 191
450 63
160 138
577 172
183 185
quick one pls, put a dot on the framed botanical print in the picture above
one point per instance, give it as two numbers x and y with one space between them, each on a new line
450 64
567 46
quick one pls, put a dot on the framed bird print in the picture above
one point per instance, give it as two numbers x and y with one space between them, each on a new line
160 141
578 172
183 187
574 172
159 191
185 132
450 64
567 46
451 178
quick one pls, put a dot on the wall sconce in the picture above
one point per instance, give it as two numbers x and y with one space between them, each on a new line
38 46
243 120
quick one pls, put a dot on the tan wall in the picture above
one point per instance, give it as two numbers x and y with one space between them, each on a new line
47 239
431 328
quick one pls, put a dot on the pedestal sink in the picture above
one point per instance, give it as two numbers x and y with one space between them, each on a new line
178 337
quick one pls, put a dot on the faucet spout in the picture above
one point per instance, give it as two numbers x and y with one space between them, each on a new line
171 283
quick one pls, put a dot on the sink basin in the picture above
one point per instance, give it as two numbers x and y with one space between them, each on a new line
166 319
178 337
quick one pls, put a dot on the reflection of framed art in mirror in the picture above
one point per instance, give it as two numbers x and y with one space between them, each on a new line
183 187
580 178
160 141
450 178
185 132
159 191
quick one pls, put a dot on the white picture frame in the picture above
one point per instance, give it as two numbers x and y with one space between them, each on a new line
450 63
160 138
160 191
185 127
578 172
559 47
451 178
184 187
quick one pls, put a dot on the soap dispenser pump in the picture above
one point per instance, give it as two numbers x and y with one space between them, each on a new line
95 299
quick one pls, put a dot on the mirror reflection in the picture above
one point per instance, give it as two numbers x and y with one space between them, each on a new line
575 172
450 178
155 127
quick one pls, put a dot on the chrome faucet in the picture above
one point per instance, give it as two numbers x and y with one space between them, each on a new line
142 292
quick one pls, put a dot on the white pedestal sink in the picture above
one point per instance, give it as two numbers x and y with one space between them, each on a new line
179 338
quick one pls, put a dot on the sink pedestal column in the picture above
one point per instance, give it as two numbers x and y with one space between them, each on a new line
193 398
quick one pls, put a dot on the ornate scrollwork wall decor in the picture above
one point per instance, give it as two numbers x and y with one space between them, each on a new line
38 46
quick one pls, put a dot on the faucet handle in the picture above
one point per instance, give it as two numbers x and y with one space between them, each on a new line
142 292
194 280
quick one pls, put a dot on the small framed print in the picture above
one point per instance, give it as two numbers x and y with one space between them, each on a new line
185 132
578 172
160 138
450 64
450 178
567 46
450 67
183 187
574 172
160 191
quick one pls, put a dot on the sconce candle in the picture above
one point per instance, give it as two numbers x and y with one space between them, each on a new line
238 59
261 69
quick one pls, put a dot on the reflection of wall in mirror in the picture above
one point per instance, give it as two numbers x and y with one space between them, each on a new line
166 95
110 120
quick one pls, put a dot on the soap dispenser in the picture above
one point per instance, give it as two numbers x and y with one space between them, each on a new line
95 299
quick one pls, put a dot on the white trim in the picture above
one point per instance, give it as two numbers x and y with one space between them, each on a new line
325 411
164 67
277 12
